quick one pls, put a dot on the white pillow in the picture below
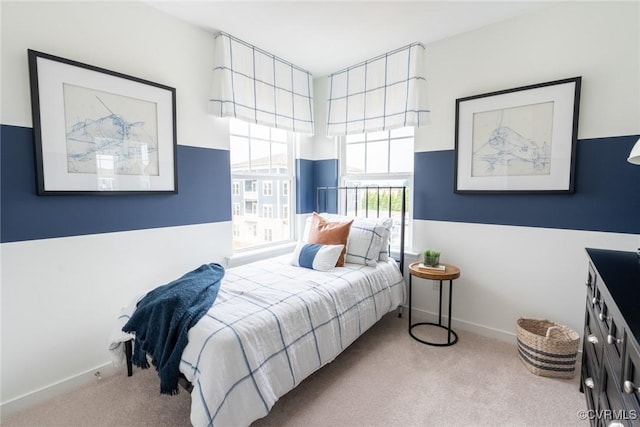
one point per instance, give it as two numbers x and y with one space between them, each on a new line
385 222
316 256
365 242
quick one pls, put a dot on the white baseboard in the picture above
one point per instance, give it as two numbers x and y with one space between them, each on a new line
45 393
485 331
418 315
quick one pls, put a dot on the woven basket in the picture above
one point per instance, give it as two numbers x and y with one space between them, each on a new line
547 348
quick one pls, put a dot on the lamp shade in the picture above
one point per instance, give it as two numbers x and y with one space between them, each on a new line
634 156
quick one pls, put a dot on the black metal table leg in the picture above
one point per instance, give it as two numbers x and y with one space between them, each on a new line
450 331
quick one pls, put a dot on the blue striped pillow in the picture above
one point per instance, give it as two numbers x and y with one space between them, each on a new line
316 256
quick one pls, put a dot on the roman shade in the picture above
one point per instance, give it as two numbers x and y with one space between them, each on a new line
382 93
258 87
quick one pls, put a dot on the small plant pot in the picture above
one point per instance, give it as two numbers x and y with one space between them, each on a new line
432 261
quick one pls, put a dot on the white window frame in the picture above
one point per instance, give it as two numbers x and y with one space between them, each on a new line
267 211
235 210
292 142
394 178
235 188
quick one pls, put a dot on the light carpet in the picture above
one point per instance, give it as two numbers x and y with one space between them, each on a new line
385 378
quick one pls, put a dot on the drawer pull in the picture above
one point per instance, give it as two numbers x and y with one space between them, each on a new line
587 283
630 387
603 318
613 340
615 423
594 300
589 382
592 339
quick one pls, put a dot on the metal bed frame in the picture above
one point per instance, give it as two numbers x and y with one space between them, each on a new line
328 199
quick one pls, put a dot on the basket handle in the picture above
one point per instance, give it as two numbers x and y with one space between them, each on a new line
550 329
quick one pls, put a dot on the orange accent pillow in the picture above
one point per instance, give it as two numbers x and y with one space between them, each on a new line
330 233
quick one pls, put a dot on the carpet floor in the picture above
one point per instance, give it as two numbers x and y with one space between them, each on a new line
385 378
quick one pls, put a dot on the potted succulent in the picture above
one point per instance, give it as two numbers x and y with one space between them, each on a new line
431 257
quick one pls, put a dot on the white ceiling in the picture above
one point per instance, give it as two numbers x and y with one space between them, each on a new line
327 36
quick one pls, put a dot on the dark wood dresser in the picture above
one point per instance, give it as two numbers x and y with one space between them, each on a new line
611 355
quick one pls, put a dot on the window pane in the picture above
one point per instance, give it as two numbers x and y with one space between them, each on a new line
355 138
384 159
239 154
259 131
279 158
279 135
260 156
378 157
401 155
261 213
355 159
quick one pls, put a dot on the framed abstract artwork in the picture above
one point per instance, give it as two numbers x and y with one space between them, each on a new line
100 132
520 140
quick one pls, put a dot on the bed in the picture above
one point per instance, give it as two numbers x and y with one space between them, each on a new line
274 323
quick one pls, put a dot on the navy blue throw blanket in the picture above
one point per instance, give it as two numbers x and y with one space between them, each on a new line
164 316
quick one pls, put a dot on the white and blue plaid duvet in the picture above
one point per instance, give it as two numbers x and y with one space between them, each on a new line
274 324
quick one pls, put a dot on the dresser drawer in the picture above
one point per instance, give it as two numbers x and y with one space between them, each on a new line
593 338
614 344
591 283
611 406
631 393
590 383
601 307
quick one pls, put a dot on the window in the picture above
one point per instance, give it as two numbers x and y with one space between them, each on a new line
252 230
285 212
262 165
382 159
267 188
235 188
250 207
236 209
251 186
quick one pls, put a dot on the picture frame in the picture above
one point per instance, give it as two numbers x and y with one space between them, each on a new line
98 131
520 140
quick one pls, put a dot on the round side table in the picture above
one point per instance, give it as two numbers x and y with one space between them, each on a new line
450 273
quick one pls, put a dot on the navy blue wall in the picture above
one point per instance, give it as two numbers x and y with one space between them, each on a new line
606 198
311 174
304 181
204 196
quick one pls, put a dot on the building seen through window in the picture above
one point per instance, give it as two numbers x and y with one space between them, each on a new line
262 174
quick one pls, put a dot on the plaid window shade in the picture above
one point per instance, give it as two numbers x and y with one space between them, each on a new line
386 92
257 87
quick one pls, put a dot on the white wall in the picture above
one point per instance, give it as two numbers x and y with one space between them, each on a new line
60 296
599 41
531 271
324 147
